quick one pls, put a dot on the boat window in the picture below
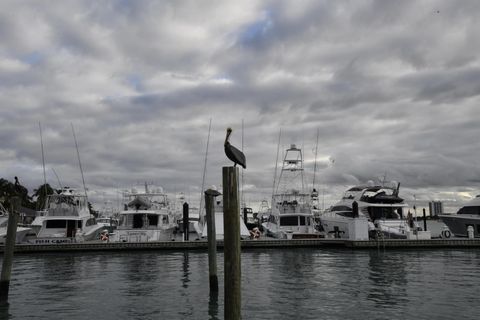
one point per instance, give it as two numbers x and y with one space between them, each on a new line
56 224
469 210
165 220
382 213
341 208
79 224
152 219
137 221
289 221
90 222
302 220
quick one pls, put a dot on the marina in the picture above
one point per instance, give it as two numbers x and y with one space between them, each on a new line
239 160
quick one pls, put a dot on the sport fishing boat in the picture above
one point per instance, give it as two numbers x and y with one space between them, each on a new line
291 216
21 231
146 217
369 211
468 215
66 219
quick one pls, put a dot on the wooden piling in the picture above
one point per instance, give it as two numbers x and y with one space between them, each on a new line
424 220
9 247
231 228
355 209
185 222
212 239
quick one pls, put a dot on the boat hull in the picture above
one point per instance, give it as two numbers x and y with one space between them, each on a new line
143 235
458 224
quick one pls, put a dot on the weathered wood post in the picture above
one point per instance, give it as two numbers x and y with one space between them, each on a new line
424 220
355 209
231 228
210 195
185 222
8 250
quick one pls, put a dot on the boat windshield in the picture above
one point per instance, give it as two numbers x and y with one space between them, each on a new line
384 213
469 210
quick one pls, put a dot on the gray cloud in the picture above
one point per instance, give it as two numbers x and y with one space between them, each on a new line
392 87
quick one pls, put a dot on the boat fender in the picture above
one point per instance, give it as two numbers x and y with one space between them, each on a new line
446 234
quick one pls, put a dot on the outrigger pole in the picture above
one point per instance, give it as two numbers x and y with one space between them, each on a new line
43 163
204 172
276 163
80 164
315 163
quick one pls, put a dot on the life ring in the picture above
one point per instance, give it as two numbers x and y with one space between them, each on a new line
446 234
104 237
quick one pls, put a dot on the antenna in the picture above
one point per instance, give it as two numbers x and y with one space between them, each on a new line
276 163
79 162
204 170
43 163
315 163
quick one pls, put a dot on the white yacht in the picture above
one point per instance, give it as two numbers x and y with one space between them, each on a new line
291 215
219 233
468 215
21 231
146 217
380 214
66 219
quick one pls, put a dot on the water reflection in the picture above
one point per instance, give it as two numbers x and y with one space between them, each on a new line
186 270
213 305
4 311
387 274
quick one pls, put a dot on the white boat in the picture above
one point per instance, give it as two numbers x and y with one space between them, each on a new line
380 213
21 231
468 215
66 219
107 217
219 233
291 215
146 217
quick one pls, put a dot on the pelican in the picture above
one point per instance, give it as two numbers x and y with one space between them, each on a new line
233 153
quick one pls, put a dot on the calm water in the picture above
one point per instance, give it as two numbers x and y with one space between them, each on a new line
276 284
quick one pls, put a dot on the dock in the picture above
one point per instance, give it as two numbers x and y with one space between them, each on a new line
250 244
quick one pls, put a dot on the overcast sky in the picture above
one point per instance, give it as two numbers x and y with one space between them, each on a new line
392 86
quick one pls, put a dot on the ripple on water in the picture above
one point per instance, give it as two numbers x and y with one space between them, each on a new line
276 284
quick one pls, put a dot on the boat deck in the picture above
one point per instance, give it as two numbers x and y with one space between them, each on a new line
250 244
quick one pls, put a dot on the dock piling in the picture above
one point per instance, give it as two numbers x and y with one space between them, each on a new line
231 227
424 220
212 239
185 222
8 251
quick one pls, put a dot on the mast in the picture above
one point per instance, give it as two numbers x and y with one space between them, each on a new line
43 163
204 171
80 164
